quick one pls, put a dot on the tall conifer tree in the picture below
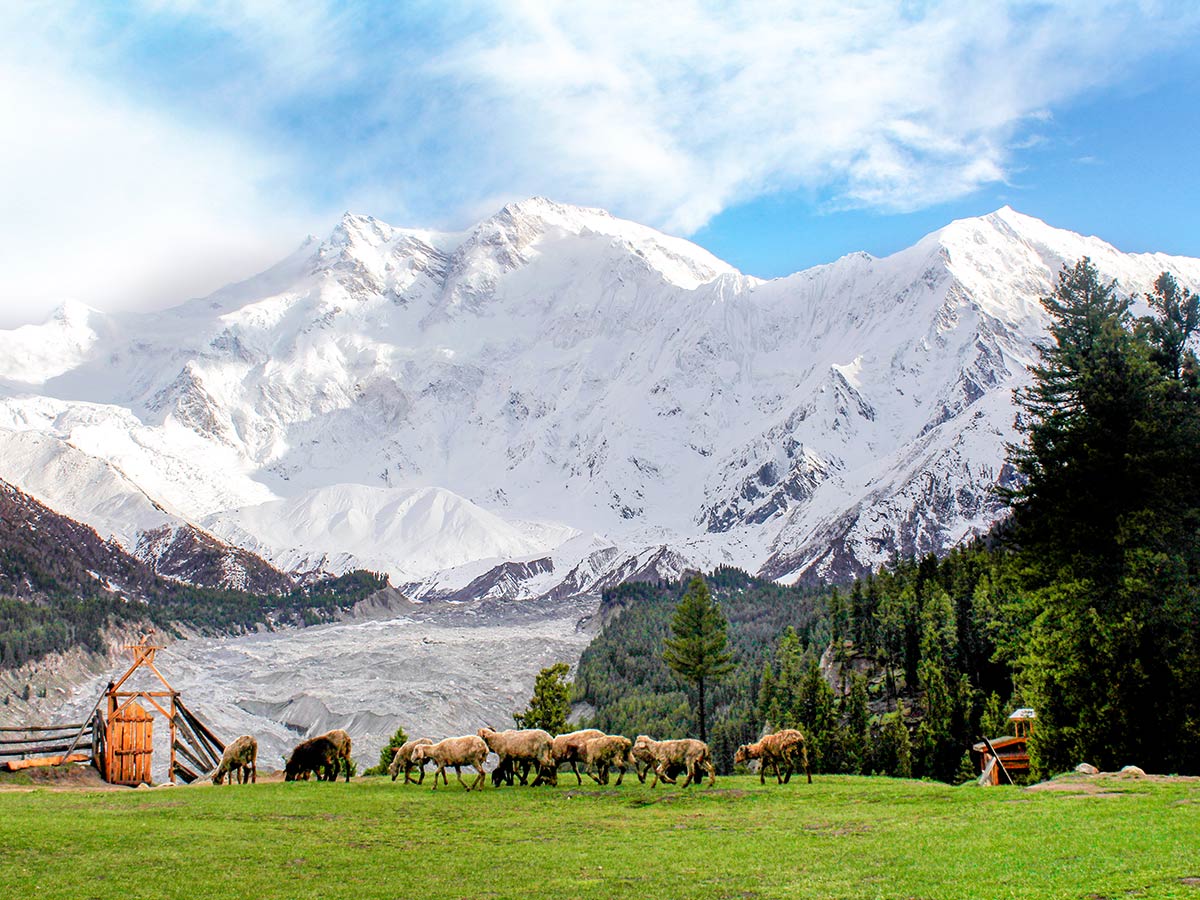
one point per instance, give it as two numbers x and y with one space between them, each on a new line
697 650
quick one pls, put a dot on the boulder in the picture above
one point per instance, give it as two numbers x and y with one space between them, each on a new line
1087 769
1133 772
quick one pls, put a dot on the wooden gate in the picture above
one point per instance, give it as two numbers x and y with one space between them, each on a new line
129 746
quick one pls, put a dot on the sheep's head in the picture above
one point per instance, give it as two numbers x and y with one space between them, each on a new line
218 776
418 755
291 770
742 755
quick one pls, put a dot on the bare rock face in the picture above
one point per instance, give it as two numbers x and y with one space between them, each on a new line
1087 769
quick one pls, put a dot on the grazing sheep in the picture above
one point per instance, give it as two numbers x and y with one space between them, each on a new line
530 746
341 740
469 750
691 754
239 760
608 750
568 748
318 754
403 760
784 747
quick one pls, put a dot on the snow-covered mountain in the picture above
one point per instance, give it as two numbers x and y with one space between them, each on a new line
551 399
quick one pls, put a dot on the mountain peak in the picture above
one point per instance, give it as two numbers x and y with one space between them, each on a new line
524 223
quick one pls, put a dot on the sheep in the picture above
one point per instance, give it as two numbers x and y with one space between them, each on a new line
693 755
318 754
403 760
605 751
342 741
469 750
786 747
568 748
643 758
530 746
240 760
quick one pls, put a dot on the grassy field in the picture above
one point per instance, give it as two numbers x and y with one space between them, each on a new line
839 837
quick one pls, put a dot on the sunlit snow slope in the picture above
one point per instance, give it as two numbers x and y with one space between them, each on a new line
556 396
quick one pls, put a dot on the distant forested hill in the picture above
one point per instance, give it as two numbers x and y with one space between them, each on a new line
61 584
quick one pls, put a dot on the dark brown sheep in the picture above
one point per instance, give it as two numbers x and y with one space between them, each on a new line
784 749
318 755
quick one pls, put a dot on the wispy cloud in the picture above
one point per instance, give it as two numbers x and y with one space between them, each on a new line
210 124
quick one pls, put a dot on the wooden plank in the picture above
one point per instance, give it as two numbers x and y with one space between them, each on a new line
12 742
44 748
86 720
201 728
154 669
185 773
999 764
44 761
69 727
190 757
202 749
154 703
10 748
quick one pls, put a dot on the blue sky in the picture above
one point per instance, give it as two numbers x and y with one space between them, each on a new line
155 150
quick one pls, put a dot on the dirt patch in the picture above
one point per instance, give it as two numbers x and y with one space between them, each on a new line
1190 881
57 778
1106 783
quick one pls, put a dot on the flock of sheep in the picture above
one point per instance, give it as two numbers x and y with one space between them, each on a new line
524 751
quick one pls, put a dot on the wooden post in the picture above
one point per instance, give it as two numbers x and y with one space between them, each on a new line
171 771
201 748
992 750
86 720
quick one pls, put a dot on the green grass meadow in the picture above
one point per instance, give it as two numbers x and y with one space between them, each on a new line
840 837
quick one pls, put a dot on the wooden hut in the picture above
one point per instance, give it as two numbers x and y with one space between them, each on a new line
118 736
1000 759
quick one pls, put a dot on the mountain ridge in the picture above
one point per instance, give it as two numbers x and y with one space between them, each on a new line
556 364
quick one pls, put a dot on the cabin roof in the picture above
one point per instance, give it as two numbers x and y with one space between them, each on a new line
1003 743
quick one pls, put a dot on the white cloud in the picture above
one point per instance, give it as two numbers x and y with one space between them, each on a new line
671 112
118 205
667 113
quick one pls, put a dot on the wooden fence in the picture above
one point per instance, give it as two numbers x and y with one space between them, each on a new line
27 746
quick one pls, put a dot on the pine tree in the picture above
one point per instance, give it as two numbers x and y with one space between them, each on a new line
766 696
857 715
895 746
815 716
551 701
697 650
994 719
395 742
1106 523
